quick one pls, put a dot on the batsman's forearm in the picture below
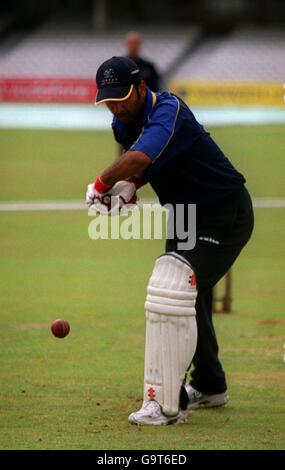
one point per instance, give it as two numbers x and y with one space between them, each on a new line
132 163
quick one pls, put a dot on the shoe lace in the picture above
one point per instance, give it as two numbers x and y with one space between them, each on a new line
195 394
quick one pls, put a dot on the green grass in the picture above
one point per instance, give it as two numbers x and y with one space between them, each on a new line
77 392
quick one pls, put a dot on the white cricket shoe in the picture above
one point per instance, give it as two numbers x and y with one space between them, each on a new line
151 414
201 400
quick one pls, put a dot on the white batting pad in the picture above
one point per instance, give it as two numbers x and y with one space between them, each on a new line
171 330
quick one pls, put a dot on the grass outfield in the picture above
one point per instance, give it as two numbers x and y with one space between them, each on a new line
77 393
43 165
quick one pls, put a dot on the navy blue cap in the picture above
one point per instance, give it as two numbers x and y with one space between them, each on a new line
115 79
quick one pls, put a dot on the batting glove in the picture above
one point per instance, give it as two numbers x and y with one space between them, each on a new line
125 191
95 191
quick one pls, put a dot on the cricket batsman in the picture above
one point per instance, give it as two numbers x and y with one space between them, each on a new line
165 146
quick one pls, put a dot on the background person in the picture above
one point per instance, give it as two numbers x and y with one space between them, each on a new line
148 70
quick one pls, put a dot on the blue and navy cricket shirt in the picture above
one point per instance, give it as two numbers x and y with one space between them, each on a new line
187 166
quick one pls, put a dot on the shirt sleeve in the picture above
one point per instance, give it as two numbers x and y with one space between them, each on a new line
159 129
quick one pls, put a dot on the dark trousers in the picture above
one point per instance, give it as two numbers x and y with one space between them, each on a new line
220 236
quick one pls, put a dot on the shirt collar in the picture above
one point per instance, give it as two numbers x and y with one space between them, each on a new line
150 103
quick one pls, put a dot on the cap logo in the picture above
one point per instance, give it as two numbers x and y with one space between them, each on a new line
109 73
109 77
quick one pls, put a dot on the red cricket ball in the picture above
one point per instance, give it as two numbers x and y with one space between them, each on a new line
60 328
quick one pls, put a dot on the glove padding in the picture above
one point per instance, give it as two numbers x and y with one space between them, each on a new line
126 191
91 195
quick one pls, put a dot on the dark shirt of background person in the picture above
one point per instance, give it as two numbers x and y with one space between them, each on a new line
148 70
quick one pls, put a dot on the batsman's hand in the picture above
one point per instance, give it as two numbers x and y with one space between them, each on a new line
125 191
92 195
95 191
122 196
